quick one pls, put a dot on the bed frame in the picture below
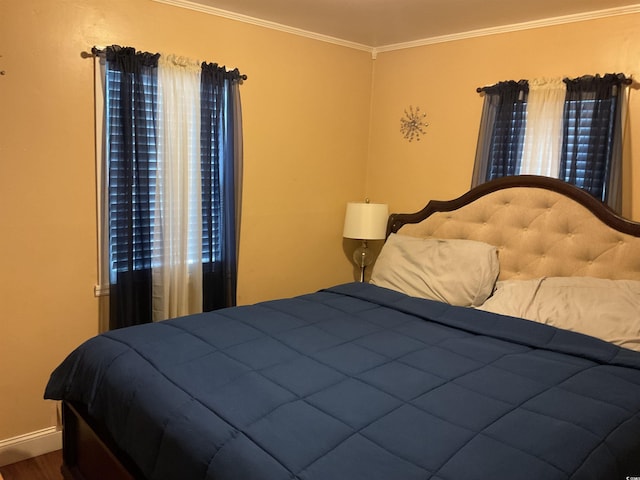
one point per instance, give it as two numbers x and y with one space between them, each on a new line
89 452
541 226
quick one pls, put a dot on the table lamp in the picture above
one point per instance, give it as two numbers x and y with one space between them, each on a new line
365 221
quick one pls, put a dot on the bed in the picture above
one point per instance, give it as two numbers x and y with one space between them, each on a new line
421 374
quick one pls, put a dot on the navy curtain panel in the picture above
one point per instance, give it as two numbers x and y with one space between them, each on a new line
592 137
131 110
219 189
502 129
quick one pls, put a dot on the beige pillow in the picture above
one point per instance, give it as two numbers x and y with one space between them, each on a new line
458 272
606 309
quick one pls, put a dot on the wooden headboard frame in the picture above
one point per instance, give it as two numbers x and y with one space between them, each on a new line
541 226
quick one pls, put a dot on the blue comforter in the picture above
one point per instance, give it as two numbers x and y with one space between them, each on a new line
360 382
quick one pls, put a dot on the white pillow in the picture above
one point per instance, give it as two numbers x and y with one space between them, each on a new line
606 309
458 272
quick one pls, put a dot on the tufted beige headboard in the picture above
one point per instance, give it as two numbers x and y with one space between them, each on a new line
541 226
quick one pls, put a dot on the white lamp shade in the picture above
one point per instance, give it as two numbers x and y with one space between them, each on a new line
366 221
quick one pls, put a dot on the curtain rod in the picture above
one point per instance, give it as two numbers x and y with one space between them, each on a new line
621 76
98 51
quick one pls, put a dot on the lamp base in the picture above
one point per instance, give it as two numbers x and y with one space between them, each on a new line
362 258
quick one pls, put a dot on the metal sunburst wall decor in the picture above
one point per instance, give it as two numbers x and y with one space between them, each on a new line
412 125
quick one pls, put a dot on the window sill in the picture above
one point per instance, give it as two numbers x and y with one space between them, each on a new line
101 290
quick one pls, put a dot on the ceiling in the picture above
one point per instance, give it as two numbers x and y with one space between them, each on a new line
380 23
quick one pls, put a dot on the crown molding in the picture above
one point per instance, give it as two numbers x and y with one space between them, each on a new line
547 22
265 23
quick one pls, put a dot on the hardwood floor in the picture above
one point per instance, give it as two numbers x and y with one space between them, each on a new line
44 467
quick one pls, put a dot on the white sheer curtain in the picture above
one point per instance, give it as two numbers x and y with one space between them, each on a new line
543 135
177 275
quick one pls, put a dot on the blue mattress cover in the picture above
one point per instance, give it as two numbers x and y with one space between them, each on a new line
360 382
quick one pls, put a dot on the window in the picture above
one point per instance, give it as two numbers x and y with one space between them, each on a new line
171 180
574 135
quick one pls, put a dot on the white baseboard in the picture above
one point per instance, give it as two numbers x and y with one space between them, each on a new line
30 445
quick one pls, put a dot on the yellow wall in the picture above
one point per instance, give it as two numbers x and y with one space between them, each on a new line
442 79
316 136
306 114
